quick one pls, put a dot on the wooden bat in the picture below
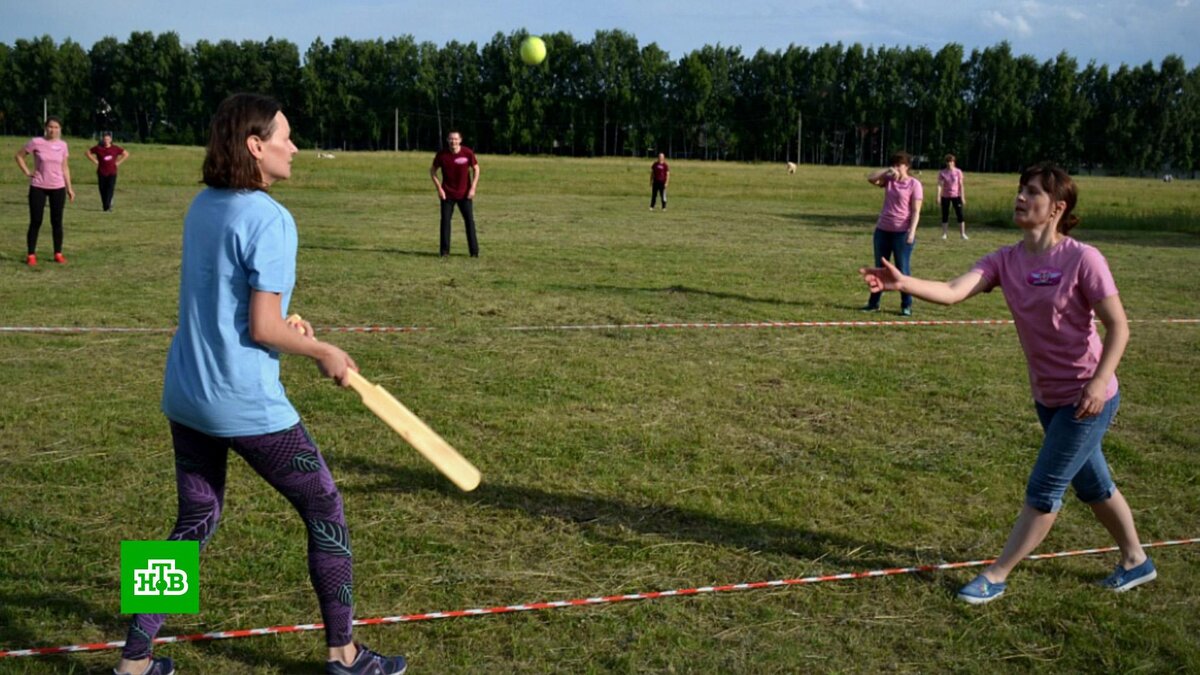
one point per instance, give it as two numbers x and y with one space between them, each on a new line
411 428
418 434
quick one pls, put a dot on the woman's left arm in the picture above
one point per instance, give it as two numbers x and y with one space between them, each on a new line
1116 337
914 220
67 178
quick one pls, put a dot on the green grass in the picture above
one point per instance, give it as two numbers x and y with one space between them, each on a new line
613 461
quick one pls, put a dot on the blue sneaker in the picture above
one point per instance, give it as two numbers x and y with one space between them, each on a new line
906 311
162 666
368 663
981 591
1122 579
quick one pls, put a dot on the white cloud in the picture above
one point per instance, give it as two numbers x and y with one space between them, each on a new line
1016 24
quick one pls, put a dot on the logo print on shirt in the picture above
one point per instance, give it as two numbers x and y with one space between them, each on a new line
460 160
1045 276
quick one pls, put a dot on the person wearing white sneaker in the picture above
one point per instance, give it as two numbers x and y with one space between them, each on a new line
952 193
1054 286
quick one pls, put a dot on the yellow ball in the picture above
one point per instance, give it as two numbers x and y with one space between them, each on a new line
533 50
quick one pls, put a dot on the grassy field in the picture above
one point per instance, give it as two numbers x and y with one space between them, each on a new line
614 461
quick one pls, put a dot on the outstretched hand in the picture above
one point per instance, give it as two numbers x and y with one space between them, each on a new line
886 278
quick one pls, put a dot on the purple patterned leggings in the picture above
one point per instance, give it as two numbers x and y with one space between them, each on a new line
291 463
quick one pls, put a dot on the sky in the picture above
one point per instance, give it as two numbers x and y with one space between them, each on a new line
1129 31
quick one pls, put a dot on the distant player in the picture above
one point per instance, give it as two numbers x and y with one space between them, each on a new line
460 177
50 180
660 178
1054 287
222 390
952 193
107 157
896 227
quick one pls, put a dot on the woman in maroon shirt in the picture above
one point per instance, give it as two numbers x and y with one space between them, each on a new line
107 157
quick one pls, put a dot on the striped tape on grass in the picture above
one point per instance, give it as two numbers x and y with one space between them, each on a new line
579 602
900 323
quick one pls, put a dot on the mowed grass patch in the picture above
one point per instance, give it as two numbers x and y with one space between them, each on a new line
614 460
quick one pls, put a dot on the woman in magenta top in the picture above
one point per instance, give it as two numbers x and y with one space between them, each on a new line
1054 286
952 193
49 180
896 228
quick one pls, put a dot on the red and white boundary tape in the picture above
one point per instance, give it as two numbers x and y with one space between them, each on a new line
595 326
558 604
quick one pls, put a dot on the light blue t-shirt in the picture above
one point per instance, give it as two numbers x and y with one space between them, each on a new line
218 380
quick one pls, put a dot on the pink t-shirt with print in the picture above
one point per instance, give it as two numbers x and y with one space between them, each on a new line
50 155
951 181
1051 296
899 198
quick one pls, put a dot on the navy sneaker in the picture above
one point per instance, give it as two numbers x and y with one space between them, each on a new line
368 663
162 666
981 591
1122 579
869 308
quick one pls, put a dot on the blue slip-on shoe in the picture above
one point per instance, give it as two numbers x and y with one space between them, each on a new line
981 591
368 662
162 666
1122 579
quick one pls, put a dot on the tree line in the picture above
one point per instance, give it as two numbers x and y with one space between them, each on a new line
833 104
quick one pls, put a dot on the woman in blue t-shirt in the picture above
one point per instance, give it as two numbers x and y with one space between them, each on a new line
222 387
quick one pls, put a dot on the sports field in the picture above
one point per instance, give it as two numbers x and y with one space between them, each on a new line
614 460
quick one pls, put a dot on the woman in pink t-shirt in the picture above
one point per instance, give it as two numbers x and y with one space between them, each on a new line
50 180
896 228
1053 285
952 193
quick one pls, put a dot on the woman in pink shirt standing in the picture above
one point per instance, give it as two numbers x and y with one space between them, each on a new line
952 193
896 228
1053 286
51 180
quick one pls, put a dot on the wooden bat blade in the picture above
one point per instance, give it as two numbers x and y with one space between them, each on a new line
418 434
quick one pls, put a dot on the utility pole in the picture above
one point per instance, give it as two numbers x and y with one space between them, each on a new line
799 136
396 132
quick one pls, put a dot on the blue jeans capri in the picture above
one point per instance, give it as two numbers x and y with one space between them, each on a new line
1071 455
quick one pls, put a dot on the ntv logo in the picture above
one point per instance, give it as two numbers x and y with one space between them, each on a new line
160 577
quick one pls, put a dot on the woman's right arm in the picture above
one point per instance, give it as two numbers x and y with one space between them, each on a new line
21 154
877 178
888 278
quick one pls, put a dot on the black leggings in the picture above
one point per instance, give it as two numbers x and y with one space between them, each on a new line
37 208
958 206
107 184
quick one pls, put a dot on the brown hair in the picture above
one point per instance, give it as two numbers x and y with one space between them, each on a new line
227 161
1058 184
900 157
949 158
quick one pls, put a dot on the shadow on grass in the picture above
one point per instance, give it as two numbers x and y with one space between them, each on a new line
593 514
370 249
66 610
687 290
